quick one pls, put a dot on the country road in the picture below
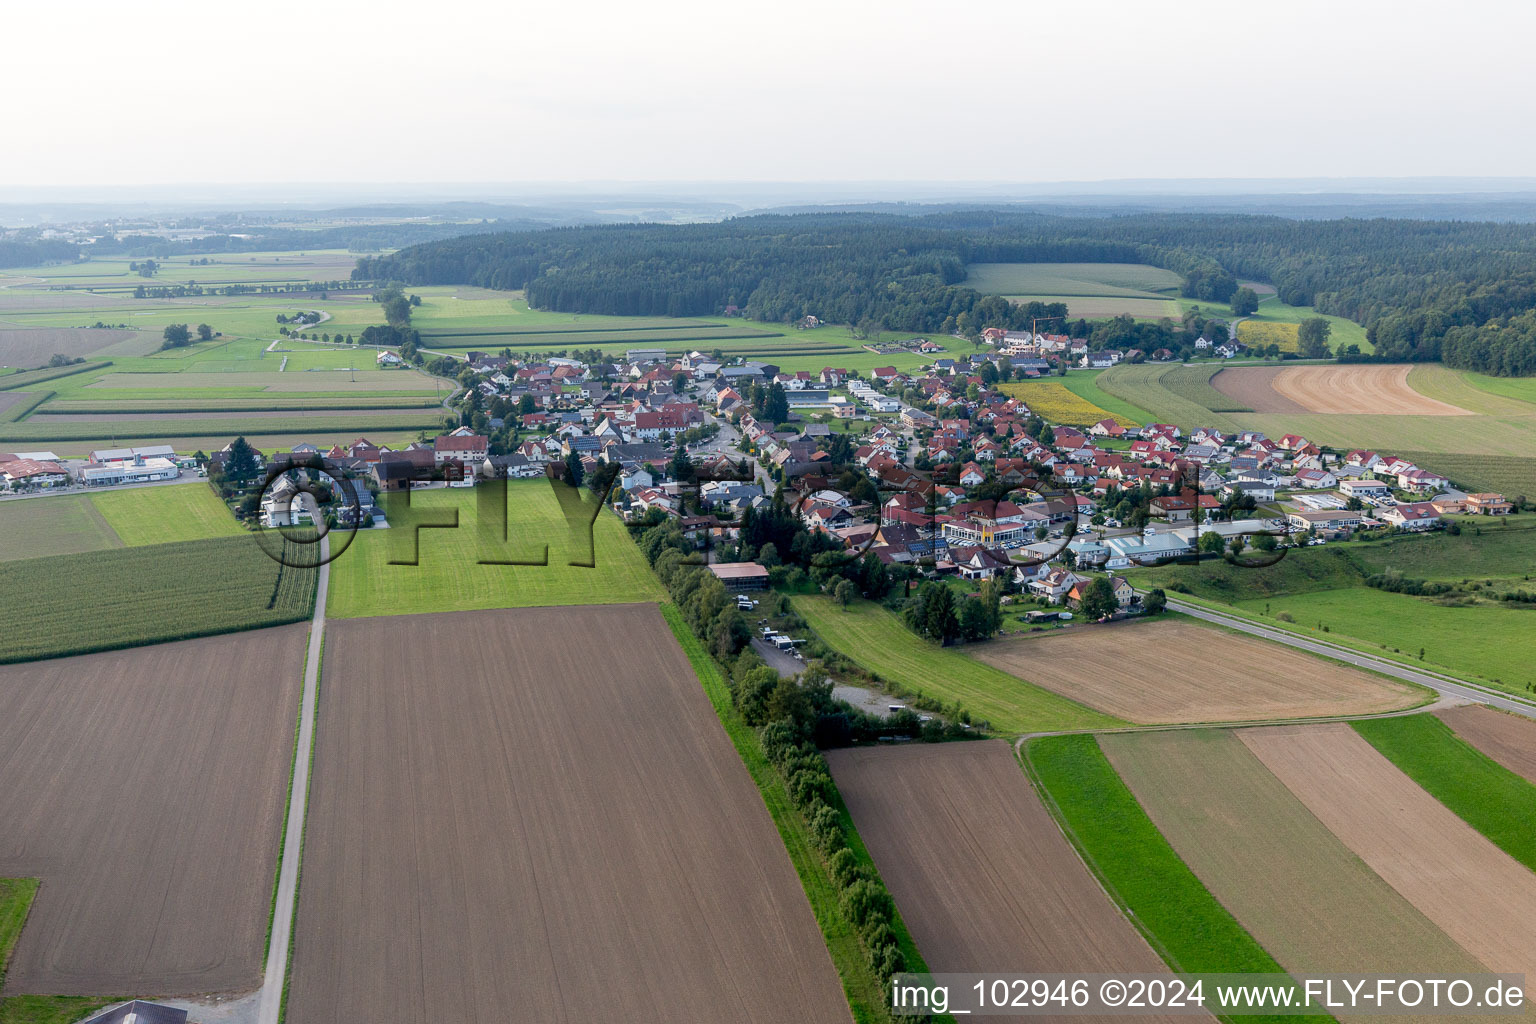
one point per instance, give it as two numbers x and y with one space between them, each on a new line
283 905
1443 684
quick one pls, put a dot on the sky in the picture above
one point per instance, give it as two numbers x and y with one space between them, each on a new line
167 91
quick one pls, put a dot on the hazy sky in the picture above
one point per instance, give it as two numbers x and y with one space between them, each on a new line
789 90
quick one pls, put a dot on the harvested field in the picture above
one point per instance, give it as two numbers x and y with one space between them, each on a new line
983 877
1508 739
1157 673
1298 890
1476 893
584 843
54 525
1353 389
146 789
32 347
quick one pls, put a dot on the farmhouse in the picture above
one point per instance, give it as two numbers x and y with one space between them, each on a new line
30 474
465 449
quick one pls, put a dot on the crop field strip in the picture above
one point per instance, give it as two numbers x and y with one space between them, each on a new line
877 640
1159 673
1349 389
109 428
1171 392
127 597
1473 891
564 813
156 834
983 877
1055 402
448 574
1508 739
33 347
1297 889
1479 790
1183 921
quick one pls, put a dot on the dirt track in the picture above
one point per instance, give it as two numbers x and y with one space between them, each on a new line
984 879
146 789
1158 673
1350 389
534 815
1475 892
1508 739
1298 890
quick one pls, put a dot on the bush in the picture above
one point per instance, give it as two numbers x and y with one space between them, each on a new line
827 829
844 868
865 903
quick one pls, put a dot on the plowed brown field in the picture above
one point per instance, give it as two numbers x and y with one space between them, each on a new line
983 876
1354 389
146 789
1508 739
534 815
1169 672
1298 890
1475 892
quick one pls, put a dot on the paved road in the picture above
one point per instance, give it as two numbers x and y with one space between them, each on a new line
298 796
1444 684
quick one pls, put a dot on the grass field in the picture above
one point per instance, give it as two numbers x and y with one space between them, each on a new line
1085 385
876 639
161 515
860 986
1483 793
1261 334
62 525
72 523
1326 587
1057 403
1135 864
1485 641
448 575
100 600
1342 332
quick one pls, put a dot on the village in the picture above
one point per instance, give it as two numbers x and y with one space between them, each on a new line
938 472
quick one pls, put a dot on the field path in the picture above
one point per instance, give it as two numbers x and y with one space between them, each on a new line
1475 892
271 1008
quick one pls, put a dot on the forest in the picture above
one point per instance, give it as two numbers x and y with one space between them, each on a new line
1462 292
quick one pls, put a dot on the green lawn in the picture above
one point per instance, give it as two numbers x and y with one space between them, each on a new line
1181 919
1483 793
875 638
62 524
1124 280
16 896
448 575
163 514
1484 641
860 986
1085 384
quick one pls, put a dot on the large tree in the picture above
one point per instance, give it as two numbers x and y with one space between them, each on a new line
1312 338
1245 302
176 336
1098 599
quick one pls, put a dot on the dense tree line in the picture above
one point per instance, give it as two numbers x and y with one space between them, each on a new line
1427 289
23 253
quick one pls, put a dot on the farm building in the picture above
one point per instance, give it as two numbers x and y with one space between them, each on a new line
741 575
139 1012
134 471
